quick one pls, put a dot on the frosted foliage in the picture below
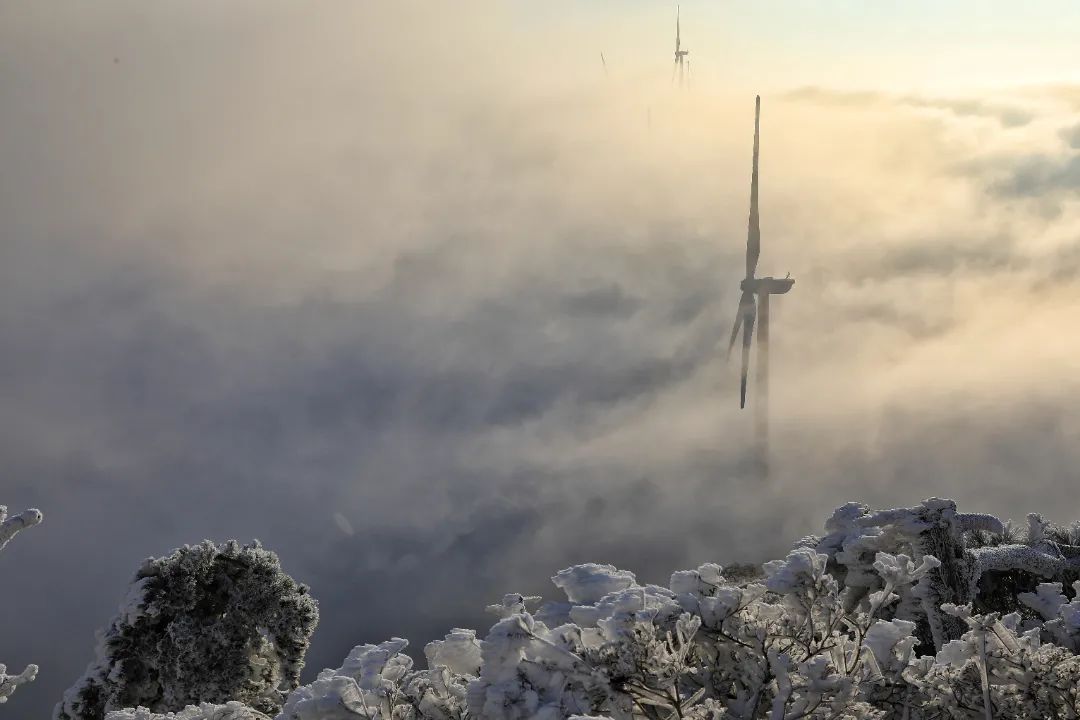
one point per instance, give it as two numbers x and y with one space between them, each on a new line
228 711
378 681
997 670
513 603
981 562
857 623
459 652
9 683
9 527
701 648
588 583
206 624
801 568
881 618
1062 617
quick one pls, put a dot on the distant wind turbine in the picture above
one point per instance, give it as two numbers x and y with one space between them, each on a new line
603 62
681 63
749 309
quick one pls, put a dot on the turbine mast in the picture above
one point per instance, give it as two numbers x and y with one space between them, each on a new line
761 410
761 416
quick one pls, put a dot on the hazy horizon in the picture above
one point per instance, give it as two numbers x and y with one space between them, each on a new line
430 305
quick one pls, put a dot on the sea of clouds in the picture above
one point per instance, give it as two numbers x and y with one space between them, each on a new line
433 325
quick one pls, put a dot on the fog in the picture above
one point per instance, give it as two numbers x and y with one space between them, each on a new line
433 308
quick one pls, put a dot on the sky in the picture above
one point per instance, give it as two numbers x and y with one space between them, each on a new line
921 45
419 297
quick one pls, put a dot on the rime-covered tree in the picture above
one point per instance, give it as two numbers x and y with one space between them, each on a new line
9 527
866 622
206 624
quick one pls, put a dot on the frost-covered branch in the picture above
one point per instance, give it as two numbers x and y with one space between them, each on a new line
8 683
9 527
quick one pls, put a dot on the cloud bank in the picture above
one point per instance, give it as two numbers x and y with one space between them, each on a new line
433 325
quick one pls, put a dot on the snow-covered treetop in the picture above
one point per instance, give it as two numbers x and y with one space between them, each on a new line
209 623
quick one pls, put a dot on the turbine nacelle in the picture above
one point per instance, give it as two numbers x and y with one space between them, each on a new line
767 285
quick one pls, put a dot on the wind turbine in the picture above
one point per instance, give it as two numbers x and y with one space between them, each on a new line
680 54
754 305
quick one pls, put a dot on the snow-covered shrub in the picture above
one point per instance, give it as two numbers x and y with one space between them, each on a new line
983 560
701 648
377 681
206 624
997 670
862 622
9 527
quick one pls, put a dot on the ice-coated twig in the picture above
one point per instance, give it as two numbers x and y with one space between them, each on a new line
8 683
1045 560
11 526
970 522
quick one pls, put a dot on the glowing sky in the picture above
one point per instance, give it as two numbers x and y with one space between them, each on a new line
921 45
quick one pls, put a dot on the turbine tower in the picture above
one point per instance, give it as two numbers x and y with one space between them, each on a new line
754 305
681 62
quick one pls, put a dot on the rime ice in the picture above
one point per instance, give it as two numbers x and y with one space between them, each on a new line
920 613
9 528
207 623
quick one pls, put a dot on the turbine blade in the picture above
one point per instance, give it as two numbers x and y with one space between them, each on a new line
748 334
753 236
735 331
746 304
678 38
